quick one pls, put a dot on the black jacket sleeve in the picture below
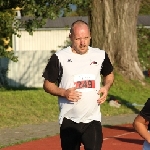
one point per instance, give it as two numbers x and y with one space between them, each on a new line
107 67
51 72
145 112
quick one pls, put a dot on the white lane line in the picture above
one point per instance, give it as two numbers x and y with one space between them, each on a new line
115 136
118 135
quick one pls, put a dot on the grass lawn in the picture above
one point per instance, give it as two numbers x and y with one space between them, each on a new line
33 106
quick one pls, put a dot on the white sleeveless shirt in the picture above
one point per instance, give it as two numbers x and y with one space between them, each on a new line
83 72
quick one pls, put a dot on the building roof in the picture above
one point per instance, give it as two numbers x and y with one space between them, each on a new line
64 22
143 20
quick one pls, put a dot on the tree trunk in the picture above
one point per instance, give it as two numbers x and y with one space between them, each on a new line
114 30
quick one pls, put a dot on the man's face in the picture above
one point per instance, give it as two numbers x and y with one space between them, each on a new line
80 39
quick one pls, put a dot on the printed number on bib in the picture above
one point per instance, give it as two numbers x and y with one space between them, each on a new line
84 81
85 84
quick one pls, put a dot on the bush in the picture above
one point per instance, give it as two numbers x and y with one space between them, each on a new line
143 35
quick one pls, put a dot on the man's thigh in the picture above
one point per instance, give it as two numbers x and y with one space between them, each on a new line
92 137
70 136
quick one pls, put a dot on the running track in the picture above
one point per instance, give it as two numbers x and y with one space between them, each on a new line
122 137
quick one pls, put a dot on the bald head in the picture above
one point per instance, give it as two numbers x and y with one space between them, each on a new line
78 23
80 37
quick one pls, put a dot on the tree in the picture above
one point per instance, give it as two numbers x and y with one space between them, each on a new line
114 30
113 26
144 47
145 7
5 35
38 10
84 10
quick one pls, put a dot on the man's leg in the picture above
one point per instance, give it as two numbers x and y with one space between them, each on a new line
70 136
92 137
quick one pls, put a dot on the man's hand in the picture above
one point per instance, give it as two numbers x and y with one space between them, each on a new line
103 92
72 95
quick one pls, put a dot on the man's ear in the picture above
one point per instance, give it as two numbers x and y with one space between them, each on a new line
69 35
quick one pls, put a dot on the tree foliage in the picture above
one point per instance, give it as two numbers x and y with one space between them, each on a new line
145 7
83 9
144 46
38 11
6 30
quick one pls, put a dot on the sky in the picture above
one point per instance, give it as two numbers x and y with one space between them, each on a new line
73 7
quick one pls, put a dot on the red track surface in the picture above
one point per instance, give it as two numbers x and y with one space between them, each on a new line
115 138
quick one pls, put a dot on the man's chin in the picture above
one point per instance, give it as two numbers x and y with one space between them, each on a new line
83 51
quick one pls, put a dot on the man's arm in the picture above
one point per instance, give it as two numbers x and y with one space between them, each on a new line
107 83
53 89
71 93
140 125
108 80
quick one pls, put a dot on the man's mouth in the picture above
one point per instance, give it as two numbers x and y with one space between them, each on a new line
82 47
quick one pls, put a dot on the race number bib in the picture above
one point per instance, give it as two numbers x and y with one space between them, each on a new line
84 81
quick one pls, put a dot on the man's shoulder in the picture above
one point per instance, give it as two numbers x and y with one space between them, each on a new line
148 103
96 50
62 51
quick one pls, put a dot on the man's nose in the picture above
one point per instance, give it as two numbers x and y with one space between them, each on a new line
82 41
